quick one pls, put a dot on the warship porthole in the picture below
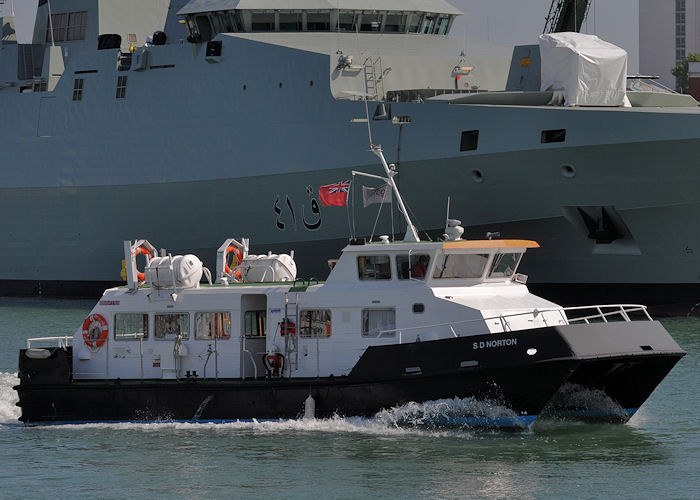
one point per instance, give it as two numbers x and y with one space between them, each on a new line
568 170
477 175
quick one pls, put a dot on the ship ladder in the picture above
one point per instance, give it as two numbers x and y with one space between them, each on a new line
291 341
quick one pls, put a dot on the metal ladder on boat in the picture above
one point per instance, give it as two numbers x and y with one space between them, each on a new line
291 340
374 76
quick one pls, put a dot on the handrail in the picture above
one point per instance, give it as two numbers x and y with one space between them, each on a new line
622 310
62 341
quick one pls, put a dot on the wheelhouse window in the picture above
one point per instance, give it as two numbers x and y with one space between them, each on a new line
168 326
67 26
58 23
504 265
460 266
315 323
414 267
375 322
130 326
254 323
210 325
374 267
371 21
394 23
347 21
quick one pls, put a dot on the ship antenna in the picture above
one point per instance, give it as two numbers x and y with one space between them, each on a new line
50 21
411 233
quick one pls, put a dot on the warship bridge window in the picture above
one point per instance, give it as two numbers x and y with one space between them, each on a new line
469 140
254 323
414 267
347 21
315 323
558 135
374 267
376 321
121 87
460 265
204 27
394 23
58 23
414 22
318 21
290 21
77 22
169 325
442 24
428 24
130 326
262 21
371 21
504 265
78 89
210 325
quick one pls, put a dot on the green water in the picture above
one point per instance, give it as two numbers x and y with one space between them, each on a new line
655 455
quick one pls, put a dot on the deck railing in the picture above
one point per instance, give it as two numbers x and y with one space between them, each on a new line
60 341
596 314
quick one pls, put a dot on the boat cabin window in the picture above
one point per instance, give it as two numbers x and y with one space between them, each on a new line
504 265
466 265
262 21
376 321
414 268
315 323
255 323
210 325
374 267
169 325
130 326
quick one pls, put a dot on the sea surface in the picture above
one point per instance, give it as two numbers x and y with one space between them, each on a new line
655 455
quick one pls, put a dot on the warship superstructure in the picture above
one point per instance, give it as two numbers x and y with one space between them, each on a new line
181 119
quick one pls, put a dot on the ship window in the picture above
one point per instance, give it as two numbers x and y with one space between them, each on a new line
418 308
77 22
442 26
460 266
318 21
254 323
558 135
209 325
393 23
428 23
121 87
413 22
375 322
130 326
169 325
416 268
470 140
370 21
290 21
204 28
78 89
347 21
263 21
504 265
374 267
315 323
58 22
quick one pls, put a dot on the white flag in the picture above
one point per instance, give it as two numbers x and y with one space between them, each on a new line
381 194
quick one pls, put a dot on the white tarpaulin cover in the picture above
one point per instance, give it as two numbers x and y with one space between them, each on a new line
588 70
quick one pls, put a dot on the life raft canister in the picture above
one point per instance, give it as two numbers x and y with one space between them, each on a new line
237 259
95 330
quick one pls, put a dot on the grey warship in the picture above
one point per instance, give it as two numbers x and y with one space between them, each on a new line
184 119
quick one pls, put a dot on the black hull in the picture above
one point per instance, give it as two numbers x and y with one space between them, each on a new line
498 369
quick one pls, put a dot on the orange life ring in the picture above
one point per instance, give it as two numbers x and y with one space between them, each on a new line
142 251
237 259
95 330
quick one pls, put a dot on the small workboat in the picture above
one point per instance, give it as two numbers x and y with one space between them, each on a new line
395 323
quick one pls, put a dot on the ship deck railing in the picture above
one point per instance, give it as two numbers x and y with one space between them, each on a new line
61 342
601 313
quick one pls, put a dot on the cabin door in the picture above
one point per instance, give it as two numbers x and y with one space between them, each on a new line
253 335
